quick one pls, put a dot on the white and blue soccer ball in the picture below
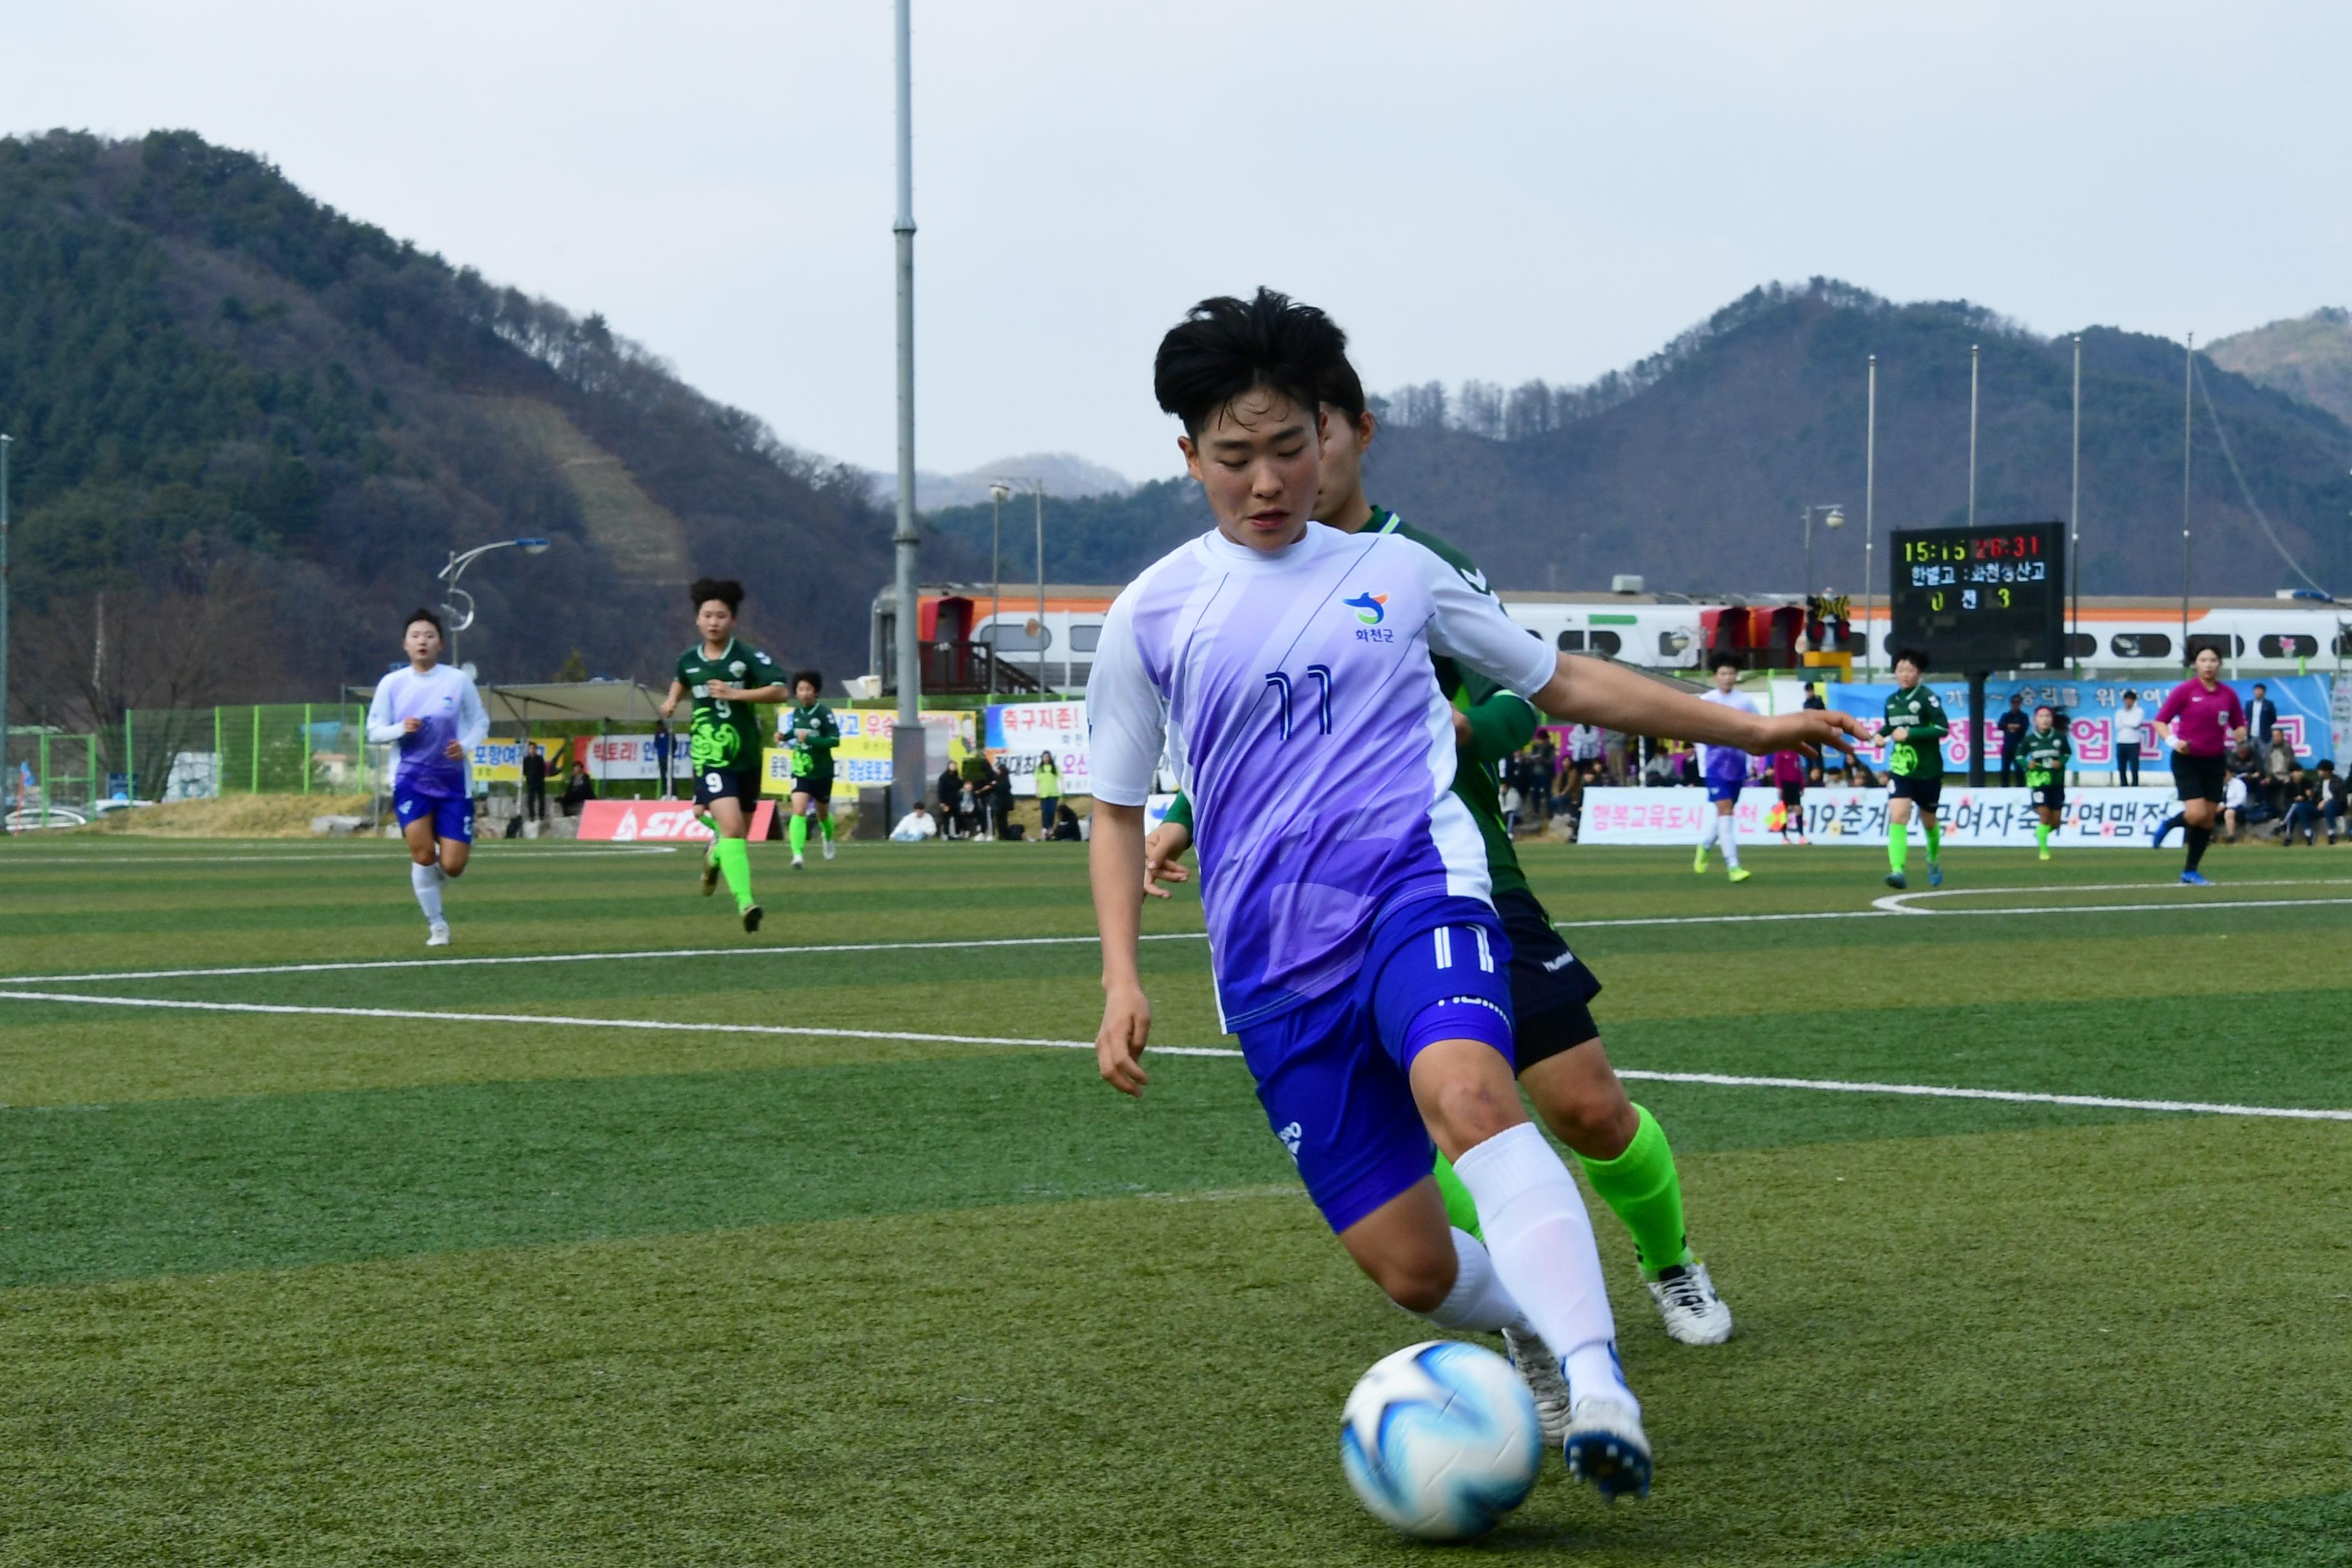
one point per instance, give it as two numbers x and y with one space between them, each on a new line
1441 1440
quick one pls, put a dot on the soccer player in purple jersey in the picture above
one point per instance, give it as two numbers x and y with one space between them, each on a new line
432 712
1283 669
1725 769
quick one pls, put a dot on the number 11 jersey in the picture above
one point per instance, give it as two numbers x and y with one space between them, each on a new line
1293 694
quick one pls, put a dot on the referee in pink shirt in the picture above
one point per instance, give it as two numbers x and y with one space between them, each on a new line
2200 719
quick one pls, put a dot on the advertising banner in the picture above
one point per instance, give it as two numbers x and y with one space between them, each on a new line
623 757
497 762
2094 818
863 758
2304 703
628 821
1019 732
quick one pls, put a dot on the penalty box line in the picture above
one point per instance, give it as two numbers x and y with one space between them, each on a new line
1724 1081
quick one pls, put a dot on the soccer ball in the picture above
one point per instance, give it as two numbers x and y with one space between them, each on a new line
1441 1440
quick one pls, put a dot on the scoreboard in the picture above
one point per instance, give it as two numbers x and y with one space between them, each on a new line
1981 599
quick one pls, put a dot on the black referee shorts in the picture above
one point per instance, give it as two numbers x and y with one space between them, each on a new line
1551 990
2200 778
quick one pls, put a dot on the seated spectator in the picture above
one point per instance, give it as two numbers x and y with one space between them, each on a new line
2279 764
2333 792
578 792
2234 798
2301 804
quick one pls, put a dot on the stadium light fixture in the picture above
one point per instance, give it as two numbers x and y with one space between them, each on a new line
1834 517
452 596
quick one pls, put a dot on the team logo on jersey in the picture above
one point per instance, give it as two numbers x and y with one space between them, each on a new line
735 669
1370 608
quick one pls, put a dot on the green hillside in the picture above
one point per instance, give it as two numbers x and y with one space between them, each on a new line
248 430
1692 467
2308 358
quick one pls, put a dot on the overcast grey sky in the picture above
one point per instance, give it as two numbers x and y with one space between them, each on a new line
1473 187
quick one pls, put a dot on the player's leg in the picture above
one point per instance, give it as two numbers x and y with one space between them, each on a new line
710 783
1708 835
732 815
425 877
796 830
1727 833
453 833
1898 832
1932 829
821 807
2199 781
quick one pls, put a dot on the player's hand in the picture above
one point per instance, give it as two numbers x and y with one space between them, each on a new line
1164 858
725 690
1118 1043
412 725
1461 728
454 751
1809 730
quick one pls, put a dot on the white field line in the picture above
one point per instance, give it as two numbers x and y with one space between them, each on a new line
1729 1080
1900 904
267 858
818 950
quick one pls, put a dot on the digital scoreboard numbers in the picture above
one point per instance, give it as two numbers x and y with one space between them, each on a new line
1983 598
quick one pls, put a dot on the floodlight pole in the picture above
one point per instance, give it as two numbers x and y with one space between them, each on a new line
1972 435
1039 491
2188 433
2075 520
1869 523
908 760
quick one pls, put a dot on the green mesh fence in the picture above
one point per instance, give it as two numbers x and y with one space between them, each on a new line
197 753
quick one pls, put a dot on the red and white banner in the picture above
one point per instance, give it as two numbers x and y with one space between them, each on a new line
625 757
628 821
2098 818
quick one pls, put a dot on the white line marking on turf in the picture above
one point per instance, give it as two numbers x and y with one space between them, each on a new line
667 1025
1900 904
810 951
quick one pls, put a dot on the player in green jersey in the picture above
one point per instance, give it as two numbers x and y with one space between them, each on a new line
727 681
1915 764
2045 751
810 732
1557 1047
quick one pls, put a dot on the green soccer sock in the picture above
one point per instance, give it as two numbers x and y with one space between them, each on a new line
798 833
1643 1188
1934 831
1899 844
734 857
825 826
2041 835
1460 1209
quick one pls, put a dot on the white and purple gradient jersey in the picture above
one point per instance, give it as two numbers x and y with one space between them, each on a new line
1293 694
448 709
1725 764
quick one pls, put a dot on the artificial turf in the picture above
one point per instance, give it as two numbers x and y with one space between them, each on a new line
288 1288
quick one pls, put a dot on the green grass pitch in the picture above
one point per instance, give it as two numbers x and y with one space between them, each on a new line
826 1277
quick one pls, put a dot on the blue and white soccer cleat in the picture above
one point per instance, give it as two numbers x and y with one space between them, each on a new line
1605 1446
2196 879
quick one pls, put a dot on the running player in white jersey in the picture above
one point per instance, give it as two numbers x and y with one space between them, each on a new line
1285 670
432 712
1725 769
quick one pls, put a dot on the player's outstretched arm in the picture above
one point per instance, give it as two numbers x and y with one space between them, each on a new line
677 695
1597 691
1115 866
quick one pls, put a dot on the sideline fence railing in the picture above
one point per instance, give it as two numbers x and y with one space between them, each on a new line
192 754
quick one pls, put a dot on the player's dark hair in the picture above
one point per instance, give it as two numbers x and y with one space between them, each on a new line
1915 656
2045 708
1225 347
1729 659
811 677
421 614
1343 389
726 590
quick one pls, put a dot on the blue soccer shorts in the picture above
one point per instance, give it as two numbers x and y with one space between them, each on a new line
1334 1074
453 815
1721 790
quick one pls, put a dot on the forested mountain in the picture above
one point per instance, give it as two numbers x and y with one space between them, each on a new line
1692 468
248 431
2308 358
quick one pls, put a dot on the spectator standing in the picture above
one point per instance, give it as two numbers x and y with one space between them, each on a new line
951 815
2014 725
999 799
534 783
2261 716
1049 776
1789 774
663 743
578 792
1617 755
2131 723
978 778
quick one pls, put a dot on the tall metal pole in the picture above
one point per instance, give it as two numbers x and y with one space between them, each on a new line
2075 520
1972 435
8 784
1809 552
2188 373
1038 489
996 578
1869 522
907 761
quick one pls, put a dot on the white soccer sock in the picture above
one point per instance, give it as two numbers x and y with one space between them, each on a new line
1727 833
427 879
1478 1301
1541 1241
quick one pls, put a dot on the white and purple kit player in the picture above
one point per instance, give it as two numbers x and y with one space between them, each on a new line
433 717
1725 770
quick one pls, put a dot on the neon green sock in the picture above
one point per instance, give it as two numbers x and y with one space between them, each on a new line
734 859
1643 1188
798 833
1934 831
825 826
1899 844
1459 1206
2041 835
